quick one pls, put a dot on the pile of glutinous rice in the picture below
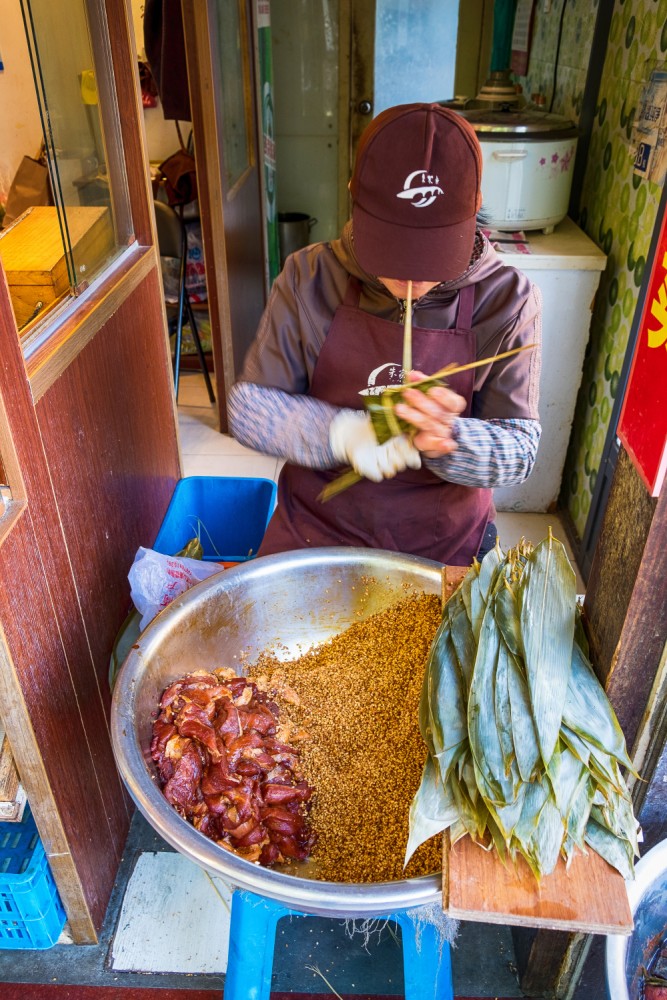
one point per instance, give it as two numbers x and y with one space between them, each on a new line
358 699
524 748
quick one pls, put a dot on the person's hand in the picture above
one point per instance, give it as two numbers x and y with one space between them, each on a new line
353 440
432 414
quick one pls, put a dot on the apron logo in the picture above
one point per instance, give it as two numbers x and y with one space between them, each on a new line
394 376
426 188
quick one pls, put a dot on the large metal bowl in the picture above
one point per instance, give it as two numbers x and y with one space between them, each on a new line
625 957
285 603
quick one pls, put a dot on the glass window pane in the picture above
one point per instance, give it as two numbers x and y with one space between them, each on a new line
53 251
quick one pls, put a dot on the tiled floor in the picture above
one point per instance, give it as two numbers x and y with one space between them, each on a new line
158 936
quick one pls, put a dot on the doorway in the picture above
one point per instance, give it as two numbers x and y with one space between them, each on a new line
337 64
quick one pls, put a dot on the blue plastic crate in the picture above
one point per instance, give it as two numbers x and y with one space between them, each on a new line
31 914
228 514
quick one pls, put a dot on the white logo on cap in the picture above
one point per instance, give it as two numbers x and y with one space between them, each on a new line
426 190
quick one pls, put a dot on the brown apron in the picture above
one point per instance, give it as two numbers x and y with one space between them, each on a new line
415 512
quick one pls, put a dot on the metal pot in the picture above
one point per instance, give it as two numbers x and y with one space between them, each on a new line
293 232
528 161
285 603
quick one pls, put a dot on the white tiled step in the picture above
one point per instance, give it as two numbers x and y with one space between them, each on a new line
174 918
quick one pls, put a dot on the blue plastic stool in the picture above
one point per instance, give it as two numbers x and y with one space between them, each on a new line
427 966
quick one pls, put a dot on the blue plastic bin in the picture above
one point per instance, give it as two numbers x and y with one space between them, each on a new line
228 514
31 914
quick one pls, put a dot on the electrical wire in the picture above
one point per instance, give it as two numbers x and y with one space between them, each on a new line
557 56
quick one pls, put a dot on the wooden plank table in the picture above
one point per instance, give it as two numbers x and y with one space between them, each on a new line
590 898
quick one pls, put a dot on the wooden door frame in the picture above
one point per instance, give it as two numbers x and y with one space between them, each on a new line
356 46
198 18
46 615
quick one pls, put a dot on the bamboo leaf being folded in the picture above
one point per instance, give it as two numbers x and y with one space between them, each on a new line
431 811
547 602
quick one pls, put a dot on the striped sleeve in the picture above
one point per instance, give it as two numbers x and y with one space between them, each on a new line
296 427
489 453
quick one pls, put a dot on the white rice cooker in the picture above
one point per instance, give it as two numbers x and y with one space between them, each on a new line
528 163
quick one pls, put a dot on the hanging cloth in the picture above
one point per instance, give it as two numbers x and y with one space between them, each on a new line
164 42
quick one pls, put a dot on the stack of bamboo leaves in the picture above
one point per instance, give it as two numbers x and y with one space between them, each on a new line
524 748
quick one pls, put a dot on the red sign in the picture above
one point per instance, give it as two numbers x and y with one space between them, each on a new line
642 426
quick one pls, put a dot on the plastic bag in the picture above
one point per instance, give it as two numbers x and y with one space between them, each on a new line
156 579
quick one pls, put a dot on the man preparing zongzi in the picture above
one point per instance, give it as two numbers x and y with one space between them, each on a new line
335 336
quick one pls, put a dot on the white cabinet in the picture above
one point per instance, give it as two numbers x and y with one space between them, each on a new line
566 265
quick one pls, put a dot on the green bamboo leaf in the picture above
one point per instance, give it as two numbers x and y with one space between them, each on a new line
618 853
604 768
498 840
580 810
617 816
576 744
463 640
565 773
482 730
507 814
431 810
540 830
507 618
446 701
524 734
466 774
547 603
587 711
456 831
580 636
491 570
503 711
465 590
473 815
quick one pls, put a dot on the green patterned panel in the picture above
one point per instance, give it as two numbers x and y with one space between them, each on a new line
618 209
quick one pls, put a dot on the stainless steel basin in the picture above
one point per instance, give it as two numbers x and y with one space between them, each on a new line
285 603
625 957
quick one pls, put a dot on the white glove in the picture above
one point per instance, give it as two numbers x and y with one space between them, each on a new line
353 440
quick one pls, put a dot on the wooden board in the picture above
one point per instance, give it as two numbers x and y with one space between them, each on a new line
590 898
33 254
9 779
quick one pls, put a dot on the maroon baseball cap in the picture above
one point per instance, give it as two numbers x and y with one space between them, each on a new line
416 193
